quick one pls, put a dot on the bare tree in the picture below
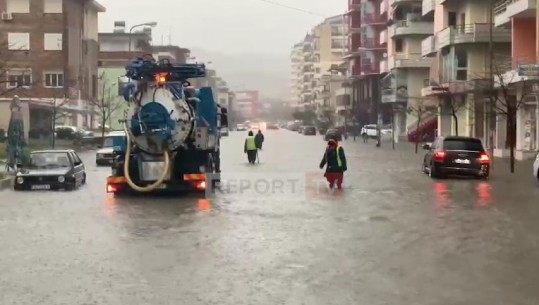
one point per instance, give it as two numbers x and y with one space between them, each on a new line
107 102
453 100
506 96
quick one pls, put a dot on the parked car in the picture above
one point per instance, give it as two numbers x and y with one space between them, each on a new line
224 132
273 127
241 127
333 134
371 131
300 129
105 154
456 156
71 133
536 167
51 169
309 131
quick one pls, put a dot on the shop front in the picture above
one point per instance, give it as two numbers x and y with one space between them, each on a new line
527 144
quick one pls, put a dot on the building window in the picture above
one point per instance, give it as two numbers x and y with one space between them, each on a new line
19 78
52 6
461 58
54 79
18 41
399 45
53 42
18 6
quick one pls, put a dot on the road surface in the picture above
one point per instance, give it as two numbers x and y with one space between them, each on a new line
392 236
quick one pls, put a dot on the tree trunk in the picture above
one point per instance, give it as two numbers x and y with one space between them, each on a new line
53 125
511 127
417 135
103 122
456 120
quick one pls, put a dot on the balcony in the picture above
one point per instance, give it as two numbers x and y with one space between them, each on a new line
369 69
390 95
354 6
428 46
372 19
407 61
383 66
371 44
427 7
354 30
383 37
472 33
384 4
397 2
405 27
505 10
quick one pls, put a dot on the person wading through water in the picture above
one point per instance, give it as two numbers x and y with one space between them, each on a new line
250 148
259 139
335 161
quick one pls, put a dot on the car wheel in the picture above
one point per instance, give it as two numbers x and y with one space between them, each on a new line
424 168
432 171
83 178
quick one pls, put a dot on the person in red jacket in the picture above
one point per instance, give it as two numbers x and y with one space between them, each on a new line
335 161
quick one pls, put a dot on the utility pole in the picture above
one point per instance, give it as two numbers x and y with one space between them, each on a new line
379 114
492 111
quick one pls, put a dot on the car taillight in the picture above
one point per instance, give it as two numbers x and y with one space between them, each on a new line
439 155
484 158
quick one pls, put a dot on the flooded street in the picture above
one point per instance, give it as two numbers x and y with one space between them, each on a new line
392 236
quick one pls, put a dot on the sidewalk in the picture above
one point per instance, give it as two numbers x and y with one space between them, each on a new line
405 152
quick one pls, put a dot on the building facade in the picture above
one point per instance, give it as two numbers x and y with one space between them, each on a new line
246 105
50 54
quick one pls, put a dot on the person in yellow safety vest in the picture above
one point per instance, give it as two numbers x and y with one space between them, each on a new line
335 160
250 148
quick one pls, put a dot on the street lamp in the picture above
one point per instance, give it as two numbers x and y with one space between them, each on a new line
150 24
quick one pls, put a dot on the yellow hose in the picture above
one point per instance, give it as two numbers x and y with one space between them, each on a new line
152 186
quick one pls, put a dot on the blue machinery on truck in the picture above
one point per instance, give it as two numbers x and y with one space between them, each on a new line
173 129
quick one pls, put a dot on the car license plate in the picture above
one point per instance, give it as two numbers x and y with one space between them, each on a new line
41 187
462 161
162 186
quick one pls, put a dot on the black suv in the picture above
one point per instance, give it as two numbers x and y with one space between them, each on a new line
456 156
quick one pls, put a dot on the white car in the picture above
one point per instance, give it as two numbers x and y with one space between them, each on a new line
241 127
536 167
372 132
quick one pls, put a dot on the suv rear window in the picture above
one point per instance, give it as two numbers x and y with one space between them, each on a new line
459 144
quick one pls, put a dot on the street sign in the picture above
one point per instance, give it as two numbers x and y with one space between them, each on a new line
528 70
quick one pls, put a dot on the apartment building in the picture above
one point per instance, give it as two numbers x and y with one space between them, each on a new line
405 69
50 54
296 73
460 71
521 17
321 49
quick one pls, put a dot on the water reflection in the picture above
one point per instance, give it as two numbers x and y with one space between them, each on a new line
484 195
111 207
440 189
204 205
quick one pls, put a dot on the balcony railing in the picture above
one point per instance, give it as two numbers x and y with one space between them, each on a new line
373 19
472 33
405 27
409 61
428 46
384 4
371 44
505 10
383 37
369 68
427 7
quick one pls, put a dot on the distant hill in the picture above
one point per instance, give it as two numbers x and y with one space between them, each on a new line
268 73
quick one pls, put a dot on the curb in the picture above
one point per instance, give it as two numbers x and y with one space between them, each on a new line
6 183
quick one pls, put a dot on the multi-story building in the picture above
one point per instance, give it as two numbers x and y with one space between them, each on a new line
322 48
406 69
50 56
366 21
460 72
296 73
521 16
246 105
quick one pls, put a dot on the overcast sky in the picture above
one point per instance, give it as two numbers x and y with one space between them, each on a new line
228 26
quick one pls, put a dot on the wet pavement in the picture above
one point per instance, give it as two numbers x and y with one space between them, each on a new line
392 236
